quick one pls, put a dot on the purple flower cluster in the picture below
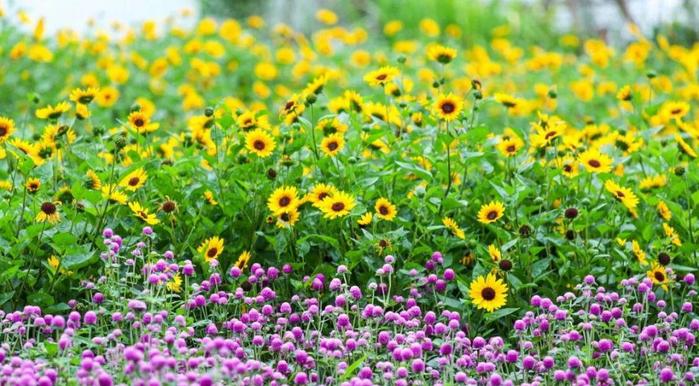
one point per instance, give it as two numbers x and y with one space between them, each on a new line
237 329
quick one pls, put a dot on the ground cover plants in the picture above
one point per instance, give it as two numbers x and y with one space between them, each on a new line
243 203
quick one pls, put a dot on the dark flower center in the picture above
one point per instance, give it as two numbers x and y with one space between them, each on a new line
511 149
285 217
381 77
332 146
322 195
48 208
212 252
594 163
567 168
488 293
284 201
492 215
134 181
338 206
3 130
659 276
383 210
448 107
138 122
259 145
675 111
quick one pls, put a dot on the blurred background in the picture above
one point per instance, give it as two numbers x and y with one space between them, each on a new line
529 18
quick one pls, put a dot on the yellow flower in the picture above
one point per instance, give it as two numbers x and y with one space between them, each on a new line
623 195
92 180
663 211
107 97
653 182
509 147
243 260
48 212
209 197
288 219
491 212
441 54
685 147
143 213
259 142
326 16
365 219
52 112
283 199
140 122
32 185
211 248
53 262
333 144
385 210
381 76
672 234
339 205
447 107
7 127
494 253
83 96
111 193
658 275
134 180
595 162
175 283
450 224
488 292
319 192
638 252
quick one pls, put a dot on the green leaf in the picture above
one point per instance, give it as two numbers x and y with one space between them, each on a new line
78 260
352 369
4 297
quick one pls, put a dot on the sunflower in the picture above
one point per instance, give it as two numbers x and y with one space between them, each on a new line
319 192
653 182
447 107
623 195
7 127
441 54
671 233
385 210
494 253
48 212
658 275
624 94
209 197
83 96
283 199
92 180
663 211
674 110
595 162
288 219
491 212
259 142
685 147
143 213
140 122
455 229
111 193
506 100
639 252
338 205
365 219
488 292
107 97
243 260
32 185
211 248
52 112
175 283
134 180
333 144
509 147
381 76
65 195
568 165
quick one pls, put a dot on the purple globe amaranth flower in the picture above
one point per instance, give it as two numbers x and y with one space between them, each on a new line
666 375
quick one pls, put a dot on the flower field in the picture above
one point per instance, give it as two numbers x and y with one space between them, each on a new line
245 203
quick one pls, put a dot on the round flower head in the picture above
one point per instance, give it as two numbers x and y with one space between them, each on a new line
488 292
